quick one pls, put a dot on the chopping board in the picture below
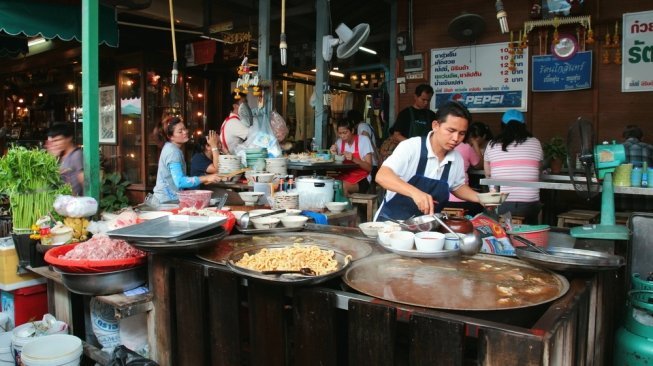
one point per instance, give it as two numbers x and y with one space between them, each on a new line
220 253
481 282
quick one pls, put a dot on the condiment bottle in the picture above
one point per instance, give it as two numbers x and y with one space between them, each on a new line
644 174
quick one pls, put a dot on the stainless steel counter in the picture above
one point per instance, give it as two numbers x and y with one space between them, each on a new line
560 183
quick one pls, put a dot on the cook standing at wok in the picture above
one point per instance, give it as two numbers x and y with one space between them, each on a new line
421 171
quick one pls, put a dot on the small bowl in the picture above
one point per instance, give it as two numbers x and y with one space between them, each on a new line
370 229
384 232
338 158
238 214
263 177
451 241
402 240
336 207
429 241
492 198
250 198
61 235
294 221
293 211
265 222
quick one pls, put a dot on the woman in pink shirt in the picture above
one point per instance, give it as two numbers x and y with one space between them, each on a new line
516 155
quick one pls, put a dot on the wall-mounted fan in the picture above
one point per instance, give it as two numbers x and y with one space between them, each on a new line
584 158
466 27
348 41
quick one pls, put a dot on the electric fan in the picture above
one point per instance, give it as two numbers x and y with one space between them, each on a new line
348 41
466 27
584 158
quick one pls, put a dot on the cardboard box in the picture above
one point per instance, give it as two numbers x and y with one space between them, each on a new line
9 279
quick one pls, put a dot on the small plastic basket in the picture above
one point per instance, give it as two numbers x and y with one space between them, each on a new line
641 284
538 234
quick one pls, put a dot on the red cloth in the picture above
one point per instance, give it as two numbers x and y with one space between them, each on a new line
357 174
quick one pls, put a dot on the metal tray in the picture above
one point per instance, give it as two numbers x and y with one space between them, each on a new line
191 244
417 254
477 283
220 253
103 283
568 259
167 228
285 279
280 229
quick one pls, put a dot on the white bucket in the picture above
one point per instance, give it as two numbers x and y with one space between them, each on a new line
6 355
53 350
23 334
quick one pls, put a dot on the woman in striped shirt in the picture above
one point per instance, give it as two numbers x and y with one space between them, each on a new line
516 155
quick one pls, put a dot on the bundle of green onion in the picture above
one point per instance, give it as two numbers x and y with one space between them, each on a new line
31 179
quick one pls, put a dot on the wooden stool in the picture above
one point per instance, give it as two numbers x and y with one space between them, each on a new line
515 220
369 200
621 218
454 212
577 217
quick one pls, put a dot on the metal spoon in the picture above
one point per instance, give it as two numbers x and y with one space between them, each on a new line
244 219
530 244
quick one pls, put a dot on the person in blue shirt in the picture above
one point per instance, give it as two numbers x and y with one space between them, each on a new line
171 176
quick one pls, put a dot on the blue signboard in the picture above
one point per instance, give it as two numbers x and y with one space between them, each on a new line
552 74
484 100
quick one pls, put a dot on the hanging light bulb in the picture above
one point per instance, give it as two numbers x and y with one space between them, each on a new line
502 16
175 73
283 47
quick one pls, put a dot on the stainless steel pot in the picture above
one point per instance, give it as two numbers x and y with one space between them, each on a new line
314 191
104 283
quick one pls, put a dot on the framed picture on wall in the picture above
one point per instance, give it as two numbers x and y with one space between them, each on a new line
107 128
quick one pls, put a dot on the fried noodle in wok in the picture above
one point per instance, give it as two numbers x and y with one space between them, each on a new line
291 258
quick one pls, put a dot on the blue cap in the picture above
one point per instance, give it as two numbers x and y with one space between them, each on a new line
512 115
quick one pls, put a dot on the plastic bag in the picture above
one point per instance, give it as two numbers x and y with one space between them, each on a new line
279 127
75 206
105 325
261 135
494 239
123 356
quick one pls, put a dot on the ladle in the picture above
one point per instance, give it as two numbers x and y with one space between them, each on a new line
243 222
530 244
414 224
303 271
470 243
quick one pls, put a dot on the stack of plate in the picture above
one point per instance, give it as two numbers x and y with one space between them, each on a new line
278 166
228 164
286 200
255 157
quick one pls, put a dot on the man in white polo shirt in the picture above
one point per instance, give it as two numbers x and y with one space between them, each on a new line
422 171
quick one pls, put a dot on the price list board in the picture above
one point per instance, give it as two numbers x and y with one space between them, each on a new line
480 77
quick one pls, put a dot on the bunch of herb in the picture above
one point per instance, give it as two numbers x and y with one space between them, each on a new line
31 179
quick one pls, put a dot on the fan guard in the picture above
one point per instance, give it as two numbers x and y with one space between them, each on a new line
580 159
348 41
466 27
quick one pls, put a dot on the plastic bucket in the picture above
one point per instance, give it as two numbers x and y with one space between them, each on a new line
26 333
6 355
53 350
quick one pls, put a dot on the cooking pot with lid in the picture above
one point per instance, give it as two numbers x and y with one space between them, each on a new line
314 191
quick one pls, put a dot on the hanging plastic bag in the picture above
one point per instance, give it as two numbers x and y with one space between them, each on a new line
261 135
279 127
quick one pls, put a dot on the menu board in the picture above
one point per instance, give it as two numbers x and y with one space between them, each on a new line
637 51
478 77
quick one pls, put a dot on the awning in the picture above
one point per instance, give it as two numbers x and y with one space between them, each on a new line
50 20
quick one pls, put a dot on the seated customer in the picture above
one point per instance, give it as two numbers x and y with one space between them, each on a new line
357 149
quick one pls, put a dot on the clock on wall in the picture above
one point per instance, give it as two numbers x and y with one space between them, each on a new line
566 47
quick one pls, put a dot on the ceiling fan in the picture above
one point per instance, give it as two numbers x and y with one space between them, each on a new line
347 42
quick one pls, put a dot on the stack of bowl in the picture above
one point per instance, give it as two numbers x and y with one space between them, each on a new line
278 166
286 200
255 157
228 164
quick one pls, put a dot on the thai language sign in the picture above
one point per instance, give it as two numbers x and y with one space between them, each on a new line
637 51
479 77
553 74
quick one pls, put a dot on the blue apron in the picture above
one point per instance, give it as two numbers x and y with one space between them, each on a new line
401 207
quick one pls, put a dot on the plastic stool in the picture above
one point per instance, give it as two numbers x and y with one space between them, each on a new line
369 200
577 217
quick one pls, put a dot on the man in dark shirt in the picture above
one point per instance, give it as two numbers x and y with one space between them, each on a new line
415 120
637 151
